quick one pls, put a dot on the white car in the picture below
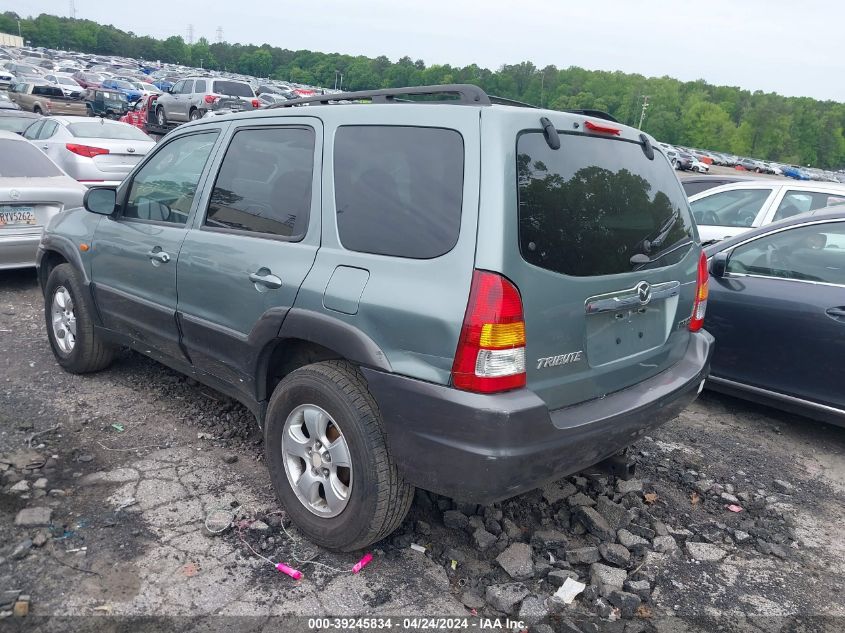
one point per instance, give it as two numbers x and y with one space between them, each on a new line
68 84
722 212
699 166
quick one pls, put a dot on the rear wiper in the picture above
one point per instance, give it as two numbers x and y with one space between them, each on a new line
639 260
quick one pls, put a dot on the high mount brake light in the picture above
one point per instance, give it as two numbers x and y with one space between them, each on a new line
491 350
702 289
602 129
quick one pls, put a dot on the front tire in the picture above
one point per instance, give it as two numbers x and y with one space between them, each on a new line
70 326
335 506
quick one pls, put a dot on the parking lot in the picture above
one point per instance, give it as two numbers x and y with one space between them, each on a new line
135 459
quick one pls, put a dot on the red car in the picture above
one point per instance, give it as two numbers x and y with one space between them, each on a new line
88 79
137 114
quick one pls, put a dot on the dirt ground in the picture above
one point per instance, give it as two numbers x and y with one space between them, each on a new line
136 457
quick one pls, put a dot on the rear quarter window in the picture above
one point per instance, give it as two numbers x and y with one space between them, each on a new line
591 206
398 190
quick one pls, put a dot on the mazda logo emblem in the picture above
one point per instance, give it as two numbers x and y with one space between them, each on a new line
643 291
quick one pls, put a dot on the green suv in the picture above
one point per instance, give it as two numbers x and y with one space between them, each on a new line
423 287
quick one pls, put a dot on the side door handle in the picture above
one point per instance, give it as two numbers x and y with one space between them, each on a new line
837 313
158 256
263 279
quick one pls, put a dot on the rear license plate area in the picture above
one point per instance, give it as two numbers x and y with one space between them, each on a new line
12 216
619 334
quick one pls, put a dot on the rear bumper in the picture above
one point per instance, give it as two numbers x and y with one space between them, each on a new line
482 448
18 251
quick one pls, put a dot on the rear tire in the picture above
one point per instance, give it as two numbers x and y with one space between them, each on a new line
161 117
378 498
37 110
195 115
87 352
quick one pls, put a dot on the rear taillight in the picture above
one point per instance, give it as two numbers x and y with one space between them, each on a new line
491 350
256 103
601 128
210 98
702 289
86 150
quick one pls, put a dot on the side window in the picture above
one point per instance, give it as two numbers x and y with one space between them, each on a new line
264 184
795 202
163 189
187 87
199 87
177 88
398 190
31 132
48 129
737 207
806 253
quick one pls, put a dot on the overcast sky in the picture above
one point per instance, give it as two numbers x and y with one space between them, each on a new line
785 46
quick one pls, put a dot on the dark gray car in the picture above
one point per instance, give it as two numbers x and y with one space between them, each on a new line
777 310
464 296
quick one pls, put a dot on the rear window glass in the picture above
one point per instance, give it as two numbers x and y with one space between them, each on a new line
597 206
47 91
19 159
398 190
122 132
232 88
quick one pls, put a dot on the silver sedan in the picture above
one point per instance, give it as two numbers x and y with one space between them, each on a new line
32 190
94 151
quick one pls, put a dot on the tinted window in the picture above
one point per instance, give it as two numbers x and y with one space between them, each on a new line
163 189
232 88
806 253
19 159
177 87
398 190
589 207
120 131
264 184
48 129
795 202
200 85
32 131
737 207
187 87
47 91
15 124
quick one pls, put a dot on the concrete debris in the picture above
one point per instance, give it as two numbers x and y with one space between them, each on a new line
505 597
615 554
517 561
705 552
606 578
583 555
34 517
595 523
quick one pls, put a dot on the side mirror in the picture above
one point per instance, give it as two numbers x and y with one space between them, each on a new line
719 264
100 200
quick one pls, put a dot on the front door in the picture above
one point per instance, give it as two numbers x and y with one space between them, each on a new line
252 244
135 251
778 314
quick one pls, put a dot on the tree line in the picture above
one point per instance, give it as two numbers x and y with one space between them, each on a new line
797 130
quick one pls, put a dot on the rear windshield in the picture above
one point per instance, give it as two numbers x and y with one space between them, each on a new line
233 89
47 91
598 206
19 159
123 132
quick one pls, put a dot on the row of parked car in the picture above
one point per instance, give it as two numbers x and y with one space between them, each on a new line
686 159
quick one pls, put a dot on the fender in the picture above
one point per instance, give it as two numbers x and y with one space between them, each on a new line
337 335
65 247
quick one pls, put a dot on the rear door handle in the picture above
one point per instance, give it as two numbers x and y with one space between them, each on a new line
158 256
838 312
264 277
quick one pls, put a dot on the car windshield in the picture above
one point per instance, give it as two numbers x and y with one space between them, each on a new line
118 131
232 88
123 84
20 159
598 206
16 124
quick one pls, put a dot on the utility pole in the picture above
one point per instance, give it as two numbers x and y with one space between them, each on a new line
219 34
19 30
645 107
72 10
190 34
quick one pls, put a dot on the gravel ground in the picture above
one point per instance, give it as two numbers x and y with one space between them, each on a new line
128 464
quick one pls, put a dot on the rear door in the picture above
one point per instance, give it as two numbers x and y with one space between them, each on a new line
599 240
778 314
134 252
253 242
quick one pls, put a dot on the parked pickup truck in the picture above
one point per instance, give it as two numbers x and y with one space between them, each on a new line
43 99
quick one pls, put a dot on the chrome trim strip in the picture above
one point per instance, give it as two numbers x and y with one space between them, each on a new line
777 396
626 299
800 281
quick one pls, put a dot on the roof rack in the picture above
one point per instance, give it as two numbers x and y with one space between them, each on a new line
467 95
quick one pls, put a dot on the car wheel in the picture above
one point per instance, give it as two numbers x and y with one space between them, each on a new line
161 117
37 110
195 115
70 326
328 459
